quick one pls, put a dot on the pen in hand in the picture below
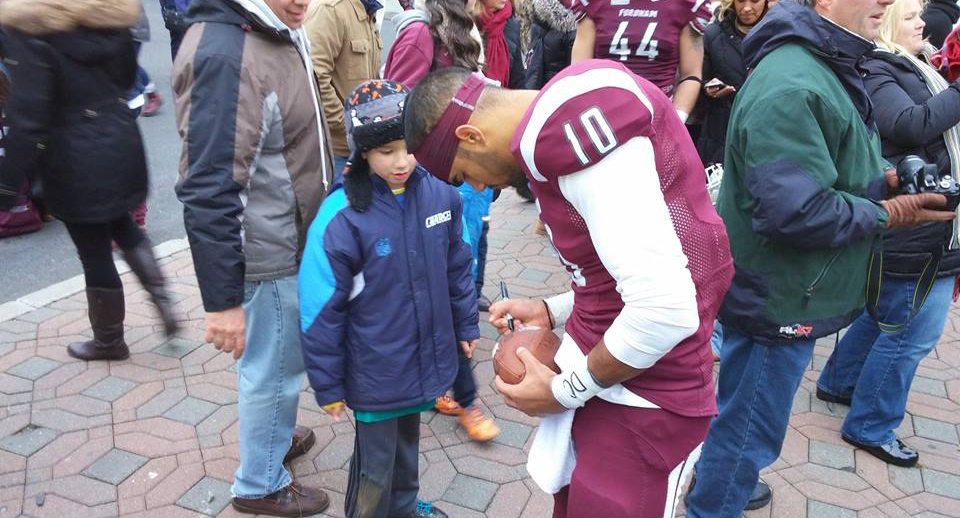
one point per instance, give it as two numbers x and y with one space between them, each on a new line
505 296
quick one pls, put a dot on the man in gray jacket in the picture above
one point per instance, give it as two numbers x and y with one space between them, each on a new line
254 168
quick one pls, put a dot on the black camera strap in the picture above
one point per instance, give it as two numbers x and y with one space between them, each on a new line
928 277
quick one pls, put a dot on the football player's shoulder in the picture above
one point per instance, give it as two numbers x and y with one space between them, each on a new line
581 115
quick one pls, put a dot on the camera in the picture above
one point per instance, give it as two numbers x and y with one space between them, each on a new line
917 176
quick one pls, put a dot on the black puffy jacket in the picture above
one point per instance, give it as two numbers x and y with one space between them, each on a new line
911 121
69 119
723 59
547 33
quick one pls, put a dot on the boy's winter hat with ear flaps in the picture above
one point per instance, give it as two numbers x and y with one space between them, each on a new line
373 116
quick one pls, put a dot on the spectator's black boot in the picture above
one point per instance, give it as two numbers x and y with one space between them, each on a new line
144 265
106 311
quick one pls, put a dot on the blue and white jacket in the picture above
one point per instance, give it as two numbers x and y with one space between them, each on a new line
385 295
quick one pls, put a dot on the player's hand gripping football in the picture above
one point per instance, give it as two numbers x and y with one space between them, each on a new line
525 312
532 396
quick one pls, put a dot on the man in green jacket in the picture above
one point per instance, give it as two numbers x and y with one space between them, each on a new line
804 199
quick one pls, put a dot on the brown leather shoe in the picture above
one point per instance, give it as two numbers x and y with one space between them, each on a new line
106 311
293 500
303 440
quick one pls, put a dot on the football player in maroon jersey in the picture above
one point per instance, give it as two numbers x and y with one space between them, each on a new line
661 41
620 188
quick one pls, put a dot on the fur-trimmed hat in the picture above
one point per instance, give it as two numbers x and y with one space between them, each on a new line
373 116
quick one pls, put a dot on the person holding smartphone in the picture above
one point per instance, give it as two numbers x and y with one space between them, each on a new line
724 70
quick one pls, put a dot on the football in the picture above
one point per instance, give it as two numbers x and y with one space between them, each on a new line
543 343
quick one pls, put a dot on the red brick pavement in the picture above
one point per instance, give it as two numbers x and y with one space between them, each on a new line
164 422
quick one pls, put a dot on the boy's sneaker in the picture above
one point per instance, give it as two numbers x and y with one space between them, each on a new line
446 405
479 427
152 106
427 510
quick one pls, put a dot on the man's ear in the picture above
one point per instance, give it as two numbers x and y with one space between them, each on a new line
468 134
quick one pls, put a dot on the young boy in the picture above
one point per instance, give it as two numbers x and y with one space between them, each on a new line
385 296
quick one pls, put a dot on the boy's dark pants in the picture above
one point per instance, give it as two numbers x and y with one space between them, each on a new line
384 478
464 386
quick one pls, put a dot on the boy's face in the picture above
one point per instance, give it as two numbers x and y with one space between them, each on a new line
392 163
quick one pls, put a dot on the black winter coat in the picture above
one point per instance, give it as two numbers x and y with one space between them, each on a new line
911 121
723 59
70 122
511 33
940 17
551 30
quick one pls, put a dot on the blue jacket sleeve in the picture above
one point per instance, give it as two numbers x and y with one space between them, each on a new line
326 281
790 176
463 297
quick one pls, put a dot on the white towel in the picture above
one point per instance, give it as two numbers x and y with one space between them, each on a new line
553 455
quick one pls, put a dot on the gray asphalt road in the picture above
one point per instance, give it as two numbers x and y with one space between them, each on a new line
37 260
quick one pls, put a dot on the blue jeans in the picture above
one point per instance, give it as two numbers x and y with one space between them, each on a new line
716 338
269 376
756 386
876 369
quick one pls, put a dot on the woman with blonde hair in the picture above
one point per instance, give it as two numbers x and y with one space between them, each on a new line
916 112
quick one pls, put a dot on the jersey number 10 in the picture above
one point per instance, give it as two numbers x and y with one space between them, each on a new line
620 46
598 130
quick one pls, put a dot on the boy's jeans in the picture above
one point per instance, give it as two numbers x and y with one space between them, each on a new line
876 369
755 395
269 376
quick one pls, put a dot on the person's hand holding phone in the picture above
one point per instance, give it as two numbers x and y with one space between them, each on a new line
717 89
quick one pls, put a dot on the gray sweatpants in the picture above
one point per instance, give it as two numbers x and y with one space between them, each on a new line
384 476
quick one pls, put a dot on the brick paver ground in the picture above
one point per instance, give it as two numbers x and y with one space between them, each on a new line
156 435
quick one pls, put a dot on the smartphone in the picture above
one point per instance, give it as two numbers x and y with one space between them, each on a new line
714 84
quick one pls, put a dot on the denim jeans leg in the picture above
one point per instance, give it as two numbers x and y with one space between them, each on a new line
840 374
716 338
464 386
757 385
269 376
880 398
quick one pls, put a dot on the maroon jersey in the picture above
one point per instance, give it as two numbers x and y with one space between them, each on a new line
644 35
580 118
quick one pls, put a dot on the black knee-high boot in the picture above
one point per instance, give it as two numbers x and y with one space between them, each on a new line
145 267
106 311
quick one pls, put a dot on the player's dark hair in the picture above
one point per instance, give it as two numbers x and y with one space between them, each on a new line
450 25
425 105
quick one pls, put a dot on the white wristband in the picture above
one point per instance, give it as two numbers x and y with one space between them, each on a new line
683 116
573 388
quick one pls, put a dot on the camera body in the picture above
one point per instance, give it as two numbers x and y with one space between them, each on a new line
917 176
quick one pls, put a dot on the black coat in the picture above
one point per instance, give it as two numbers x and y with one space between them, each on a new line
70 122
723 59
911 121
551 31
940 17
511 33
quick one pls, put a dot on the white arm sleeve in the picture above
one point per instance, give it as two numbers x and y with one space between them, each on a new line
620 200
561 306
